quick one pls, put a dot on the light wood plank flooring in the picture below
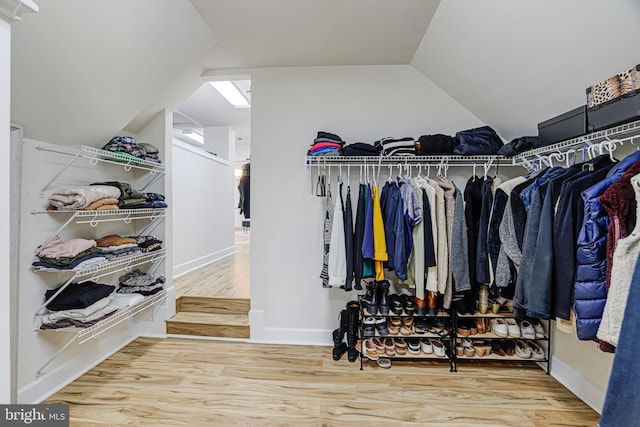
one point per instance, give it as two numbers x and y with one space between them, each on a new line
226 278
175 382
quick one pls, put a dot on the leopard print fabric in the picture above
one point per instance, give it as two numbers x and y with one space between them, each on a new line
614 87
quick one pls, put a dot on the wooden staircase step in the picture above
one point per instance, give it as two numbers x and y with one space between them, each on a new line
212 305
209 325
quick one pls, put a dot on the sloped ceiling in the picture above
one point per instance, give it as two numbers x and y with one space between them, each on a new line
282 33
82 70
516 63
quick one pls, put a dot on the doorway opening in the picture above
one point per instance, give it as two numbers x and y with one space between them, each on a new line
211 211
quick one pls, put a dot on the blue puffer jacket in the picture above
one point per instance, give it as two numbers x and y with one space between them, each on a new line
590 294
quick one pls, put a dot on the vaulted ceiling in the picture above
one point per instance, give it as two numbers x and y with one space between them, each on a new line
81 70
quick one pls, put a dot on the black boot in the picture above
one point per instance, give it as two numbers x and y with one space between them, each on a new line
339 347
383 303
352 322
371 298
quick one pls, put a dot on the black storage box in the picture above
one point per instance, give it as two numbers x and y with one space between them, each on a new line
565 126
616 111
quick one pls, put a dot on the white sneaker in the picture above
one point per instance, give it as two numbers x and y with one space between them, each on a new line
536 351
499 327
527 330
522 349
512 327
426 347
539 330
438 348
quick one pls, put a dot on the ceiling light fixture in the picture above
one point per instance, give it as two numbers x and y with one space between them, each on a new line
231 93
194 135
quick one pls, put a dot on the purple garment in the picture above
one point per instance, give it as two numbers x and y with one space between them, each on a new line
367 242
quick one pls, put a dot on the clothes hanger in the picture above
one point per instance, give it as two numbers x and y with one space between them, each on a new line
473 176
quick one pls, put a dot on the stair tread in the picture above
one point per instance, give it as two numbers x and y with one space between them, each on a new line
239 306
210 318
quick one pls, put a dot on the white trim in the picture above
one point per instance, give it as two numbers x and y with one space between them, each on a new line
588 391
12 10
199 151
261 334
49 383
194 264
203 338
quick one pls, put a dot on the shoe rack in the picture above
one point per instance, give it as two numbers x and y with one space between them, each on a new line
390 337
398 332
500 344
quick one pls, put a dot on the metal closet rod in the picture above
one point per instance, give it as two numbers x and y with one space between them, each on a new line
570 155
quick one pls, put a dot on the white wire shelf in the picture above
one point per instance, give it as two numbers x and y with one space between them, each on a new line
92 213
95 155
124 264
624 131
450 160
111 321
82 335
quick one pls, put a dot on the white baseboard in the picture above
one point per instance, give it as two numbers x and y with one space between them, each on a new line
588 391
297 336
49 383
194 264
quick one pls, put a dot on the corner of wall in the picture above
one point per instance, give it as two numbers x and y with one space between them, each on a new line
587 390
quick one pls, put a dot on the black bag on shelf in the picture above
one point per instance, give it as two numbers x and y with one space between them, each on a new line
519 145
479 141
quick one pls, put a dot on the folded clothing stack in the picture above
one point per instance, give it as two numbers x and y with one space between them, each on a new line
125 145
115 247
152 200
142 283
129 196
360 149
87 197
436 144
149 243
396 146
326 144
84 304
74 254
150 152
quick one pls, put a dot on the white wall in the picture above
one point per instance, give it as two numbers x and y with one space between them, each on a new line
289 106
202 200
5 191
517 63
82 70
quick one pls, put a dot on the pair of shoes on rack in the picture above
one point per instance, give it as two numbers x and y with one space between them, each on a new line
529 350
402 305
532 329
503 348
376 297
505 327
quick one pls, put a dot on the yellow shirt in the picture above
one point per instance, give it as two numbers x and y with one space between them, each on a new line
379 242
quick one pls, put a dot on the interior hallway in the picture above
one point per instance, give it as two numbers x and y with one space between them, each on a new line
226 278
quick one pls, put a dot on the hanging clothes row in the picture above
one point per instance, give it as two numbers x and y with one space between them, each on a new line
408 232
549 241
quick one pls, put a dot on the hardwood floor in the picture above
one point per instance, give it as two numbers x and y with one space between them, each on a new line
172 382
226 278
